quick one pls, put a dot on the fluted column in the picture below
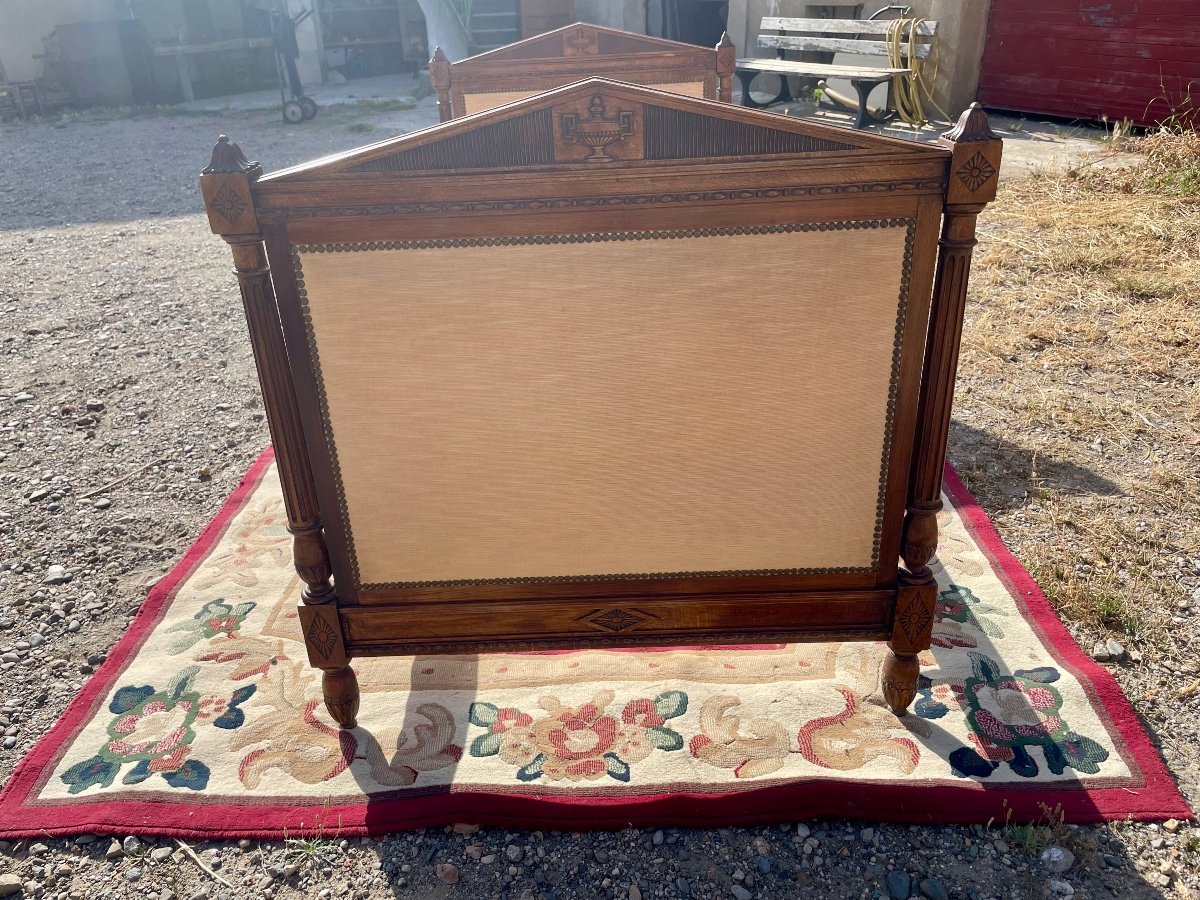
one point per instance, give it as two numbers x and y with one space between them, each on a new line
937 397
972 176
227 185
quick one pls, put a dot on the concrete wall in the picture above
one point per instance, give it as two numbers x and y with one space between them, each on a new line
961 38
445 30
962 31
25 23
310 63
628 15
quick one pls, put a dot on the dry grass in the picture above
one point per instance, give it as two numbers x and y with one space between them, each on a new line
1079 399
1172 161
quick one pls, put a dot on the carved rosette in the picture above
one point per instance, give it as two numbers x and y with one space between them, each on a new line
912 628
226 184
615 619
976 162
323 638
912 625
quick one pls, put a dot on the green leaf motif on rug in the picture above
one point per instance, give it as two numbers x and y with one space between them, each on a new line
486 745
215 618
616 767
582 743
961 618
665 738
484 714
533 771
671 704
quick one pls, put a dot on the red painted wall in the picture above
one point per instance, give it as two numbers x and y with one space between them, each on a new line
1091 59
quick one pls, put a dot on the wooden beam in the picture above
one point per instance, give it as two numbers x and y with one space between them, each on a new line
927 28
834 45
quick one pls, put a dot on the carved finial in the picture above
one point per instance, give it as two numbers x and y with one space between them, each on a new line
972 126
975 164
439 77
726 65
228 159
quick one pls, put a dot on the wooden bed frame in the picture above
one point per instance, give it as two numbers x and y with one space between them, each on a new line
574 53
527 390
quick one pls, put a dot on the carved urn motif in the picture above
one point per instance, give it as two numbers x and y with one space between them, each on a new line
580 42
597 131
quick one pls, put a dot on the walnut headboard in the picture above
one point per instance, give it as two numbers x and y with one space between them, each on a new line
610 365
574 53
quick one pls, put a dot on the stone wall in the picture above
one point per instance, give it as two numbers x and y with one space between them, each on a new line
26 25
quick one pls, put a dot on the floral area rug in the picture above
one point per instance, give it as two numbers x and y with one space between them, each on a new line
206 720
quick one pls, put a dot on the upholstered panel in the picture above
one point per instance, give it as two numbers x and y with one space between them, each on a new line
560 408
478 102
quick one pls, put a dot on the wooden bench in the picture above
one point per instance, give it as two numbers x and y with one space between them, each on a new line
815 34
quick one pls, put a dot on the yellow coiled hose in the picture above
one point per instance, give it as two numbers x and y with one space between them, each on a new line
907 90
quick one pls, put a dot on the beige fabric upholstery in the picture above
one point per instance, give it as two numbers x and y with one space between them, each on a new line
478 102
692 404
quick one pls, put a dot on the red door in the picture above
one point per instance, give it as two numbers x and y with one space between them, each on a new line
1094 59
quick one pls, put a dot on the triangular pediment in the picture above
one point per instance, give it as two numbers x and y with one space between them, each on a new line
611 125
579 40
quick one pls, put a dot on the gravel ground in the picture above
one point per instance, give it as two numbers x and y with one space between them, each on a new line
129 410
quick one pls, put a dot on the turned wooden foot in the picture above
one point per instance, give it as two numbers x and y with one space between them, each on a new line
340 687
898 679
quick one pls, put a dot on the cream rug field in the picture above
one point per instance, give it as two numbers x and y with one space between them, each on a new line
207 720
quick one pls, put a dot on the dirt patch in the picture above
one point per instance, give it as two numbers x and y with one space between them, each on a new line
1078 416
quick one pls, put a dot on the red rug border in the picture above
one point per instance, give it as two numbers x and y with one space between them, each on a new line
1160 789
969 802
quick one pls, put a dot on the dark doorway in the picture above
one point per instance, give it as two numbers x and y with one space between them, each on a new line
694 21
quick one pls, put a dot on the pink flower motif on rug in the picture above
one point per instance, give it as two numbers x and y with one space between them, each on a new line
214 618
582 743
1008 715
154 730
